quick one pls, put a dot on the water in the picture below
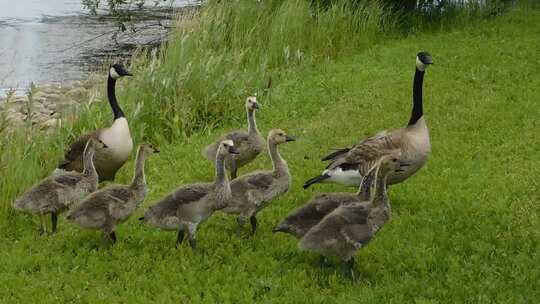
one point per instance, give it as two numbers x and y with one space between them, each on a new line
56 41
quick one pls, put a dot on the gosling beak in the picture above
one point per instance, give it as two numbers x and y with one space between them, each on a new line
289 138
233 150
156 150
256 106
105 146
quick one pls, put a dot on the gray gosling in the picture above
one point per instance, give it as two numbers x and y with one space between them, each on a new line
112 205
189 206
61 190
117 137
348 166
351 226
249 144
254 191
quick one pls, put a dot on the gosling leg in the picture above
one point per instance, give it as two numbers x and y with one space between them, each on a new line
253 222
348 269
54 221
179 238
42 226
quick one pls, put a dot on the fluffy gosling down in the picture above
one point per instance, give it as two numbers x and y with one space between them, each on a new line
249 144
254 191
348 166
112 205
190 205
58 192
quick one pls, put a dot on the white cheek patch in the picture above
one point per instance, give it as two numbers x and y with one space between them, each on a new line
113 73
420 65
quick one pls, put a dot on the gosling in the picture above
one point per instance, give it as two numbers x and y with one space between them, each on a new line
58 192
254 191
112 205
189 206
249 144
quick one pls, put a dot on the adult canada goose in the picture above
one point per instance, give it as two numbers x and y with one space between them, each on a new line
347 166
249 144
351 226
112 205
254 191
117 137
187 207
61 190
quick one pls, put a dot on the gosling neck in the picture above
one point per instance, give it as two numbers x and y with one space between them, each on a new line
381 193
222 185
139 180
365 191
88 163
113 102
278 163
418 109
252 124
221 176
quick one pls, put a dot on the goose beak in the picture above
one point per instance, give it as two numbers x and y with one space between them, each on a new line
289 138
233 150
105 146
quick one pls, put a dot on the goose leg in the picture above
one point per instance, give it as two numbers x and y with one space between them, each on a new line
54 221
253 222
179 238
348 269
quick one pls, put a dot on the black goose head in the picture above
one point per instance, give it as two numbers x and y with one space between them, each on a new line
118 70
423 59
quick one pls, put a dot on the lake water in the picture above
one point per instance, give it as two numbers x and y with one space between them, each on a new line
56 41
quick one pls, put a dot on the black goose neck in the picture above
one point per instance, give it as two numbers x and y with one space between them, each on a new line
111 93
417 110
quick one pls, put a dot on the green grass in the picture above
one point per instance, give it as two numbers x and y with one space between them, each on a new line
465 229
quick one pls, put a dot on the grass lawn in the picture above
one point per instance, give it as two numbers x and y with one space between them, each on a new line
465 229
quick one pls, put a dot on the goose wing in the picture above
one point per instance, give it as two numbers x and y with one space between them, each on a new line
73 158
363 155
69 179
239 138
185 195
300 221
337 231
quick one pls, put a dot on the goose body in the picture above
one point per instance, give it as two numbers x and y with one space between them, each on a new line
113 205
348 166
62 190
254 191
117 137
190 205
249 143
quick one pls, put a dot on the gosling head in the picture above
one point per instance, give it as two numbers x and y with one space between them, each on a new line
96 144
391 163
148 149
423 60
118 70
227 147
251 103
278 136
